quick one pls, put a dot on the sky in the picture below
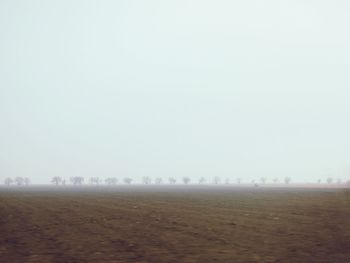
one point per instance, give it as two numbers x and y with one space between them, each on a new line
175 88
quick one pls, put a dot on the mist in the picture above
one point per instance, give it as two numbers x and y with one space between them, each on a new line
174 89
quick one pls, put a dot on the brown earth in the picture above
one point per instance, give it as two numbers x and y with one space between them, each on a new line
170 224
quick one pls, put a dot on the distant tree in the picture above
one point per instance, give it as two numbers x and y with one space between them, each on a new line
319 181
339 181
94 180
8 181
329 180
111 181
216 180
186 180
146 180
56 180
263 180
227 181
287 180
172 180
77 180
275 180
238 180
158 180
127 180
26 181
201 180
19 181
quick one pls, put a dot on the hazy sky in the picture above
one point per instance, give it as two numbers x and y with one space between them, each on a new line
175 88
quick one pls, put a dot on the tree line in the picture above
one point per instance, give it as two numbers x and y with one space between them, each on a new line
146 180
19 181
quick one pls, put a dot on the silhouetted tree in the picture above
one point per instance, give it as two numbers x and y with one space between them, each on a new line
201 180
111 181
216 180
19 181
77 180
127 180
146 180
319 181
56 180
158 180
26 181
172 180
94 180
186 180
287 180
8 181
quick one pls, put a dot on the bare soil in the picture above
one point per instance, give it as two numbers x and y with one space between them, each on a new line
172 224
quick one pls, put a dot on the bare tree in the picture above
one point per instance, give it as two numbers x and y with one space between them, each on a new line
77 180
8 181
201 180
146 180
172 180
56 180
186 180
216 180
111 181
26 181
94 180
329 180
158 180
19 181
127 180
287 180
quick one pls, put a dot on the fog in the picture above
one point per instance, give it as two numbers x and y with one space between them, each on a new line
175 88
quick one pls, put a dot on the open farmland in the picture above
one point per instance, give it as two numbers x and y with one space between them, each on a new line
173 224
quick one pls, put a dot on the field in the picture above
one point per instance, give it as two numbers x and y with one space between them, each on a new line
173 224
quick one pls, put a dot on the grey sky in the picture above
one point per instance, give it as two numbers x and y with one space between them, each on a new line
175 88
